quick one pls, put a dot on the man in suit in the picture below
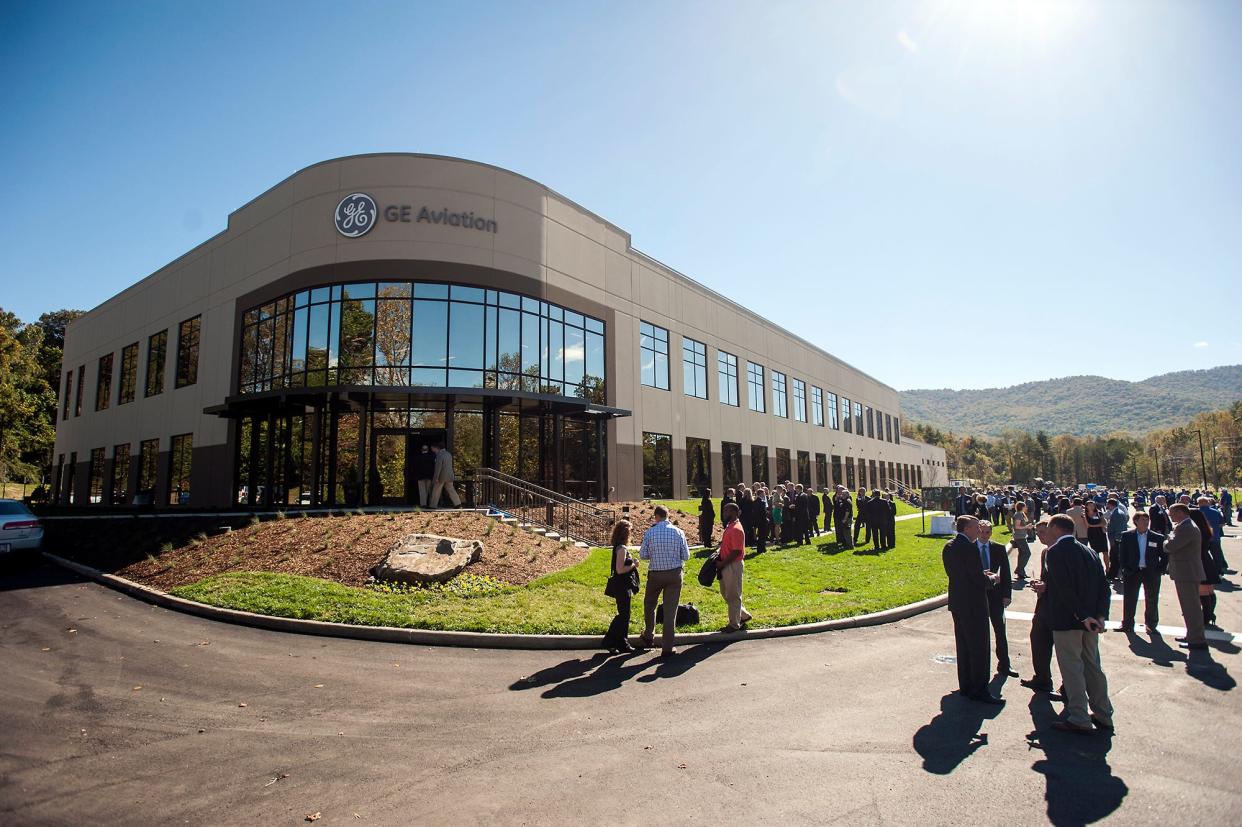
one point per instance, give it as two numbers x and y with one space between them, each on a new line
999 596
1159 516
442 477
802 516
877 516
890 521
1078 602
1041 632
827 509
969 581
843 514
1185 553
1143 562
862 517
962 503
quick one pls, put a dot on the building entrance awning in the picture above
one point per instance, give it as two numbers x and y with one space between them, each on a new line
384 398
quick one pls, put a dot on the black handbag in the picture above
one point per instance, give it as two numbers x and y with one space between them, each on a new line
622 585
709 572
687 615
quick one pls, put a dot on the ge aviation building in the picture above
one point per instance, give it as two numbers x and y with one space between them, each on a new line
368 306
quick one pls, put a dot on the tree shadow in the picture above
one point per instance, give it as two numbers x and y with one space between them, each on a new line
1080 786
33 572
953 735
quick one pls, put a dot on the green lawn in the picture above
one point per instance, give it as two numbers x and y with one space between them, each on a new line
692 506
782 587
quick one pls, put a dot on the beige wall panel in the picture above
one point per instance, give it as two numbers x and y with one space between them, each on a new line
316 181
564 213
373 172
590 292
518 191
312 225
268 243
263 208
618 275
652 290
517 264
571 252
519 231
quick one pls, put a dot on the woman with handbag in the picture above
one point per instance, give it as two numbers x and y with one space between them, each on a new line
622 586
1022 534
732 552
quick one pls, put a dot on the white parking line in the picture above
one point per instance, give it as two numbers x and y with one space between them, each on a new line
1175 631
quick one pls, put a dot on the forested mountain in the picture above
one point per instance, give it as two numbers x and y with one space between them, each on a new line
1078 405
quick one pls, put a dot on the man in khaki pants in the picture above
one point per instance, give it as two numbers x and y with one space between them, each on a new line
1184 548
730 567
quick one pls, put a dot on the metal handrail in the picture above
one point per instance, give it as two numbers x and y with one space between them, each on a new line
535 505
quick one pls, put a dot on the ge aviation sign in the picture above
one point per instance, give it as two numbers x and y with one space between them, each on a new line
357 213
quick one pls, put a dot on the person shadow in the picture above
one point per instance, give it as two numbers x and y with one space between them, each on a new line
831 548
953 735
563 671
1156 650
683 661
1207 671
611 674
1080 787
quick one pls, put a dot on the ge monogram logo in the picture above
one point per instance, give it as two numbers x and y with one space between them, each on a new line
355 215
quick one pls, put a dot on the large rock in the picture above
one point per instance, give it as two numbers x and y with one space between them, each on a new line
427 558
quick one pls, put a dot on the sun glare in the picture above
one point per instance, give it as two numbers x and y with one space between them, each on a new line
1029 21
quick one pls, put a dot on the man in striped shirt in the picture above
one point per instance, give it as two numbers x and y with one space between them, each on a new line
665 548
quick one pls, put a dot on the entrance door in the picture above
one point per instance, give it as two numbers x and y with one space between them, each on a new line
420 460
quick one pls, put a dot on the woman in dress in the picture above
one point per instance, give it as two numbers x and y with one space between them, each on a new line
617 637
1021 527
1097 533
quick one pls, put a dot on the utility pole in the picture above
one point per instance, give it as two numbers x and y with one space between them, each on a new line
1156 453
1202 460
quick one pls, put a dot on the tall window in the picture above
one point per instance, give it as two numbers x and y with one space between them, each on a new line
821 471
874 477
187 351
849 473
780 405
858 419
120 474
129 373
103 383
758 463
817 406
148 459
799 400
888 427
731 458
836 470
870 422
698 465
783 471
77 399
694 367
653 354
180 457
726 373
71 484
157 351
754 387
804 469
847 421
68 393
657 465
833 422
97 476
896 430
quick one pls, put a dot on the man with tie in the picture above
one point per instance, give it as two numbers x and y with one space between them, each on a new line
962 503
999 596
1184 550
1143 562
1159 516
1041 632
969 581
1078 603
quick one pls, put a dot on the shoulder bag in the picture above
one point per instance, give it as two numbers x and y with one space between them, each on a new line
708 573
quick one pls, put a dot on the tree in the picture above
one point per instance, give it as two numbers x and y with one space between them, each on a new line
26 399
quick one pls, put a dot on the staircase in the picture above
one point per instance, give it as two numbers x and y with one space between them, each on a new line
904 491
542 510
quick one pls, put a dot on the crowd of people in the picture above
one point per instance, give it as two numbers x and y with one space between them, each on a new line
790 513
1089 539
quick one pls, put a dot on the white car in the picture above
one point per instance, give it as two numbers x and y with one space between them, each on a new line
20 530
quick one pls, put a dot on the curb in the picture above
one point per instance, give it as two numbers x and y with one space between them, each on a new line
478 640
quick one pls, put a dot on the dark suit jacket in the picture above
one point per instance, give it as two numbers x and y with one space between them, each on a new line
1004 589
829 511
1077 588
843 510
968 588
1156 558
876 511
863 505
1159 520
961 505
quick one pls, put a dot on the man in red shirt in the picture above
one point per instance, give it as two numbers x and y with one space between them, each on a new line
730 566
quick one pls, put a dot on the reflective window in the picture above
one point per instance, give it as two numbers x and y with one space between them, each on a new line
698 466
754 386
799 400
187 351
157 350
833 421
179 461
103 383
779 403
726 373
870 422
758 463
95 496
77 400
68 394
653 355
817 406
858 420
120 474
694 367
731 458
414 333
129 374
847 420
657 465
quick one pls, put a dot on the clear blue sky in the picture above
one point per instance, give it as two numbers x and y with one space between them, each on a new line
944 194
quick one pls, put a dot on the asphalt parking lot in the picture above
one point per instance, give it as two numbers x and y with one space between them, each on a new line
117 712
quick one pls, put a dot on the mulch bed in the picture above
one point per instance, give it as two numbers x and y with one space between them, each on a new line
168 552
